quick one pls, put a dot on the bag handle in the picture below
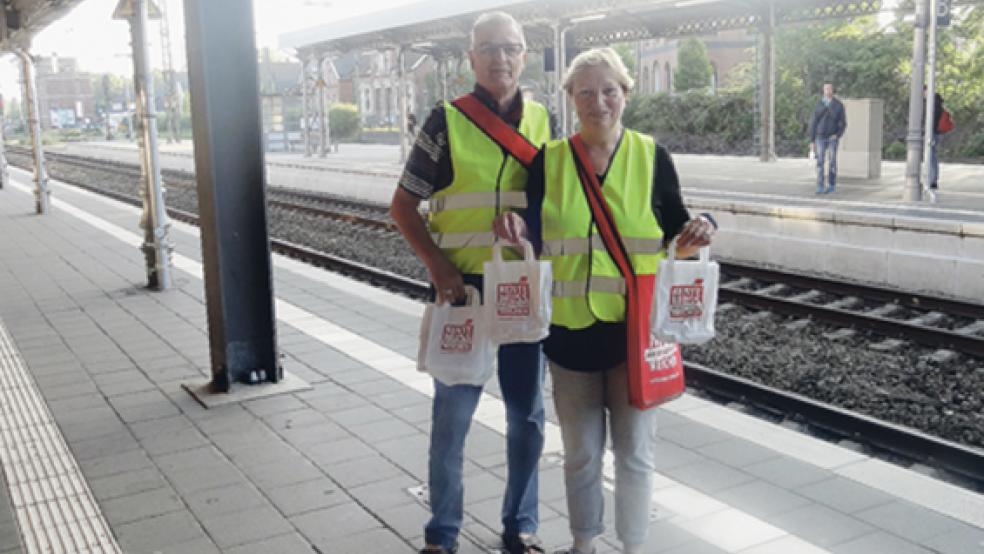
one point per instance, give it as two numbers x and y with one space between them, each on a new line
528 253
511 140
704 252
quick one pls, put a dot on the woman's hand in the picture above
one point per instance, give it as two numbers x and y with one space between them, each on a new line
510 227
695 234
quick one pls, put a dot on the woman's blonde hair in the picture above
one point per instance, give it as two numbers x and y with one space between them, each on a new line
595 57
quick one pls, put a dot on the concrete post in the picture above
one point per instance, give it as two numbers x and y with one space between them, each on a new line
156 247
41 193
913 139
767 85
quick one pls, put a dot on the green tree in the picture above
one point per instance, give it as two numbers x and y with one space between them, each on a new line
343 121
627 54
694 69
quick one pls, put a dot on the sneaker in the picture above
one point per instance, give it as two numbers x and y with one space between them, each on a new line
819 191
522 544
830 190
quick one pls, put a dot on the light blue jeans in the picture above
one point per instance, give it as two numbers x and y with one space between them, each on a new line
827 146
934 160
588 405
521 381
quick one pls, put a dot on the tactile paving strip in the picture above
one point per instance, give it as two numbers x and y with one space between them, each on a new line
55 509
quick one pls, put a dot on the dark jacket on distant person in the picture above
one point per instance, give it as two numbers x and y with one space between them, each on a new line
828 120
937 112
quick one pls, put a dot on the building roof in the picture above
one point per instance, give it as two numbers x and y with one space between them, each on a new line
438 24
22 19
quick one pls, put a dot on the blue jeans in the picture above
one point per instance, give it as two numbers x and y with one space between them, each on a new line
521 381
825 145
934 160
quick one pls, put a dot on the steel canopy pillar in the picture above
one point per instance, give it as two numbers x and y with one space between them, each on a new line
156 247
42 196
4 172
229 169
929 127
324 66
401 99
767 85
913 138
305 107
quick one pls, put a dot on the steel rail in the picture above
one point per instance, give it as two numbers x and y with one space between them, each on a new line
909 443
320 211
338 216
931 336
902 298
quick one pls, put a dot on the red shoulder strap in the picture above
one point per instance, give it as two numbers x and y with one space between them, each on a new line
492 125
599 208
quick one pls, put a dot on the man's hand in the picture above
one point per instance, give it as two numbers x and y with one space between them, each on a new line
510 227
448 282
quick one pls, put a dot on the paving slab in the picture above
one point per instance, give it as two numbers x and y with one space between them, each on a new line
331 467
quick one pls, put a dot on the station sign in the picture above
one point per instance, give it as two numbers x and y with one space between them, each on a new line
943 10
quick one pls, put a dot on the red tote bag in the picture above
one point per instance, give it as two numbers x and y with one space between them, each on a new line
655 369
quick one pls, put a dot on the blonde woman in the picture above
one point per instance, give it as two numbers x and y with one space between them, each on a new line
587 343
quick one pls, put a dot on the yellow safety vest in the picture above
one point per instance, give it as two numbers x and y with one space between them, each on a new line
486 183
588 286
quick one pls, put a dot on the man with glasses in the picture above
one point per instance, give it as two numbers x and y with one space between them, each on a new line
469 161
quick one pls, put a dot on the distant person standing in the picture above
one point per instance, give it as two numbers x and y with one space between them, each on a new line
826 128
934 160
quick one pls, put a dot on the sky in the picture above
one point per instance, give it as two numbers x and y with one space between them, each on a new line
102 45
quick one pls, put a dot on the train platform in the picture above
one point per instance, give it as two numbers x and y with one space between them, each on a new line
103 451
372 170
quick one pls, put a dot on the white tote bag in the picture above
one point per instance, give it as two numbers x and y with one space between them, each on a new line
455 347
685 298
517 296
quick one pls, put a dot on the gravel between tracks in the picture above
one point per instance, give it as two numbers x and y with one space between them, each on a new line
909 386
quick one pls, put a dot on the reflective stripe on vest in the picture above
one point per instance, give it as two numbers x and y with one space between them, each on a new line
446 241
588 286
507 199
486 182
580 245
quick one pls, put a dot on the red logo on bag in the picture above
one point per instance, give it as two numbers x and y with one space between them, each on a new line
458 338
660 355
687 301
513 299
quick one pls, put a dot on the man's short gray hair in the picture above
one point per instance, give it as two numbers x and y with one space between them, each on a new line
494 19
604 57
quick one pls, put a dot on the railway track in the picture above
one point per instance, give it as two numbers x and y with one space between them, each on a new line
799 296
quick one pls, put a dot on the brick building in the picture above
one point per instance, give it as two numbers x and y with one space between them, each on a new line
65 94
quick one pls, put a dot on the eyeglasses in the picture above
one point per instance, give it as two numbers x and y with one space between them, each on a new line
511 50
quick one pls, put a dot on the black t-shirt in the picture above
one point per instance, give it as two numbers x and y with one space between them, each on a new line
602 345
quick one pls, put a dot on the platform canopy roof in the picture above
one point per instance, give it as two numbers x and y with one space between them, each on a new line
20 20
432 24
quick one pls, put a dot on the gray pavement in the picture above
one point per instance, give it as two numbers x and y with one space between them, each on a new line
339 468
